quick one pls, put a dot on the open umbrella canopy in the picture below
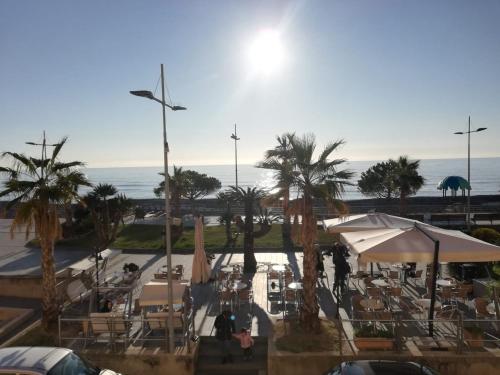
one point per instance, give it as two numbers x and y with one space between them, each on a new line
453 183
413 245
364 222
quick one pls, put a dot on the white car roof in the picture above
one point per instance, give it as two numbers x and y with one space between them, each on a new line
31 357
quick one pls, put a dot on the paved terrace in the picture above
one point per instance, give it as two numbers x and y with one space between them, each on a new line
206 303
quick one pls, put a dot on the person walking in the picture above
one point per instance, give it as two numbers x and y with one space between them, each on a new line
246 343
224 326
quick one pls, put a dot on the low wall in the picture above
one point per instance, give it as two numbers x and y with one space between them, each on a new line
11 318
446 364
27 286
286 363
144 361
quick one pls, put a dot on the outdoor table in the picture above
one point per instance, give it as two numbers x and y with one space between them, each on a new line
295 286
228 268
442 282
237 286
278 268
372 304
380 282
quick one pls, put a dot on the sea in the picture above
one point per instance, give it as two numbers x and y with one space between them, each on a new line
139 182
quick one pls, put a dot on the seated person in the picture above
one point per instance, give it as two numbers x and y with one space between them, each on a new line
107 307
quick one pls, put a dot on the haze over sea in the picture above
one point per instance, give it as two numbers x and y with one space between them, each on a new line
138 182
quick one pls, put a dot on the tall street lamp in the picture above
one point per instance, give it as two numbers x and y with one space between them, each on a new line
468 132
236 139
168 244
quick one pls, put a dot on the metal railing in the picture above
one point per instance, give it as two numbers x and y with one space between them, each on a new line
456 335
136 331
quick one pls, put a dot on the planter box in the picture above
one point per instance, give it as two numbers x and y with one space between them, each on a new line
474 340
375 343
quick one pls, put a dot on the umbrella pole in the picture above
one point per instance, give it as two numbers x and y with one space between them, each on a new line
371 269
435 265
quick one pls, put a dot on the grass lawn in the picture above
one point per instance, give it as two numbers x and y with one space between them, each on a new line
141 236
295 340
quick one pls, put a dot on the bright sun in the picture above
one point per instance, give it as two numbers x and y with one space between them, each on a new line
266 53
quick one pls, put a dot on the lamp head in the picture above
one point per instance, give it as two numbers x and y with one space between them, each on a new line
480 129
234 137
143 93
31 143
458 133
178 108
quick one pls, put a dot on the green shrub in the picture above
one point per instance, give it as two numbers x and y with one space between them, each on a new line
487 235
372 331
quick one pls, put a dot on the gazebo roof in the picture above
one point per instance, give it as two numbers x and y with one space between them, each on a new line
453 183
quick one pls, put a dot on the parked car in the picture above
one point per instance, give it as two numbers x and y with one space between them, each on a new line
381 368
39 360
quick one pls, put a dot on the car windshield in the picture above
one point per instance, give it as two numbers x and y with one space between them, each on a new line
74 365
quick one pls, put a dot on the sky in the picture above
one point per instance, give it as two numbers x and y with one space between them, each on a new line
390 77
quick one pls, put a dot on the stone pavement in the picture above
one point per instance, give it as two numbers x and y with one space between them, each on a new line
18 259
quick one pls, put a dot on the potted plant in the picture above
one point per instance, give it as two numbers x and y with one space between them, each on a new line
370 337
474 336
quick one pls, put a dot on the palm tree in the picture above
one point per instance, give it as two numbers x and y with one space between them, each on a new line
37 188
407 179
107 209
250 198
279 160
177 189
315 179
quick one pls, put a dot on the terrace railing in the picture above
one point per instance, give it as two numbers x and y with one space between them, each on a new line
412 334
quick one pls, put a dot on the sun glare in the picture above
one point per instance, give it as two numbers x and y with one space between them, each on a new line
266 53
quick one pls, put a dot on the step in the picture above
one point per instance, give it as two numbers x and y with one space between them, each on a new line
213 365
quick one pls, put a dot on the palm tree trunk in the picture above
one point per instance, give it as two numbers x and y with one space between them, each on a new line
286 229
50 309
249 261
310 308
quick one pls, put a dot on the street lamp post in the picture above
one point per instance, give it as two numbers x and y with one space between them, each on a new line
168 244
236 139
468 132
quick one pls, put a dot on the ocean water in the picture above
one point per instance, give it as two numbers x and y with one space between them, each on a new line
138 182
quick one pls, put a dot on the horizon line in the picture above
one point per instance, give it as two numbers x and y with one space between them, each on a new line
232 164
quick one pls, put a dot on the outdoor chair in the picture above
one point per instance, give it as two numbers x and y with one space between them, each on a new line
221 280
159 320
394 276
360 275
406 304
395 293
481 310
288 274
235 276
356 307
273 275
290 298
225 298
417 277
374 292
445 295
179 268
462 292
447 312
368 281
110 326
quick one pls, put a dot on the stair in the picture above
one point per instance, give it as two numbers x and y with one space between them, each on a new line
209 358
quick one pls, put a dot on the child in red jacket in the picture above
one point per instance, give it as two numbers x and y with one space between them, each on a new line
246 343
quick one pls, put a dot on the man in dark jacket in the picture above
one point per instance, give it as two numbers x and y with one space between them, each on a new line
224 326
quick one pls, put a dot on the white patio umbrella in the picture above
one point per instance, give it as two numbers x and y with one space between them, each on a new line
367 222
201 269
420 243
370 221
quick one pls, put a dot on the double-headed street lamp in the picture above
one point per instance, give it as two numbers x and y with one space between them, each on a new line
468 132
168 245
